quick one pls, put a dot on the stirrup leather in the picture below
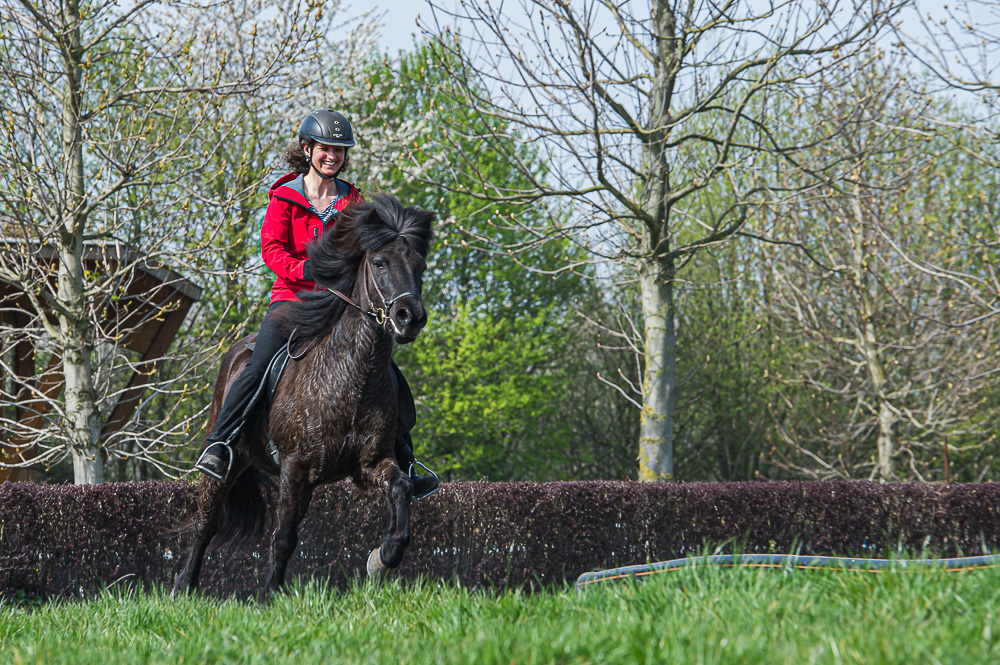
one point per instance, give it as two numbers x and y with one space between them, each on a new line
209 472
423 466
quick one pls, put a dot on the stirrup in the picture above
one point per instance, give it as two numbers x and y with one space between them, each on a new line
410 473
209 472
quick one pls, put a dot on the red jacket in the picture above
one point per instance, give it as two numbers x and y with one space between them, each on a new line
289 225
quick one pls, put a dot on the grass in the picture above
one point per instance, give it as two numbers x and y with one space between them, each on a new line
712 615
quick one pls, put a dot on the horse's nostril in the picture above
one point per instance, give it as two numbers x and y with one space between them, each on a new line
404 315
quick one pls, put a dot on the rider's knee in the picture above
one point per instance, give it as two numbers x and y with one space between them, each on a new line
253 373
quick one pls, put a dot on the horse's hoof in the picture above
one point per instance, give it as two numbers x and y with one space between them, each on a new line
375 566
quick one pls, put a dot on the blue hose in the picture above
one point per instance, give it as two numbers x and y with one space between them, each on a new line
799 561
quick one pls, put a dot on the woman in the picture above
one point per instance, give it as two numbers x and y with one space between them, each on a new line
302 205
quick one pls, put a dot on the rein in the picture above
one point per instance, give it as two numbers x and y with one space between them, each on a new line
380 314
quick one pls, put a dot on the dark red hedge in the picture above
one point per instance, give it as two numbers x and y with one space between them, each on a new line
72 541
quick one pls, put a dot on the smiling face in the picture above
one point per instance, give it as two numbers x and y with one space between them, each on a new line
327 159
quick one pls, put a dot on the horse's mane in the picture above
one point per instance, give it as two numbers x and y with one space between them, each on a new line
335 259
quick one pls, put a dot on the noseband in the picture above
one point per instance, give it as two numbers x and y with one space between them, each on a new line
381 314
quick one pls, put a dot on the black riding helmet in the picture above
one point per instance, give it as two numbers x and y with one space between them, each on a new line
328 127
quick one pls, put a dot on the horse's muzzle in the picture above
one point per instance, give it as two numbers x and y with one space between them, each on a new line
408 318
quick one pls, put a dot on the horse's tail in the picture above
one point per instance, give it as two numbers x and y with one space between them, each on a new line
244 515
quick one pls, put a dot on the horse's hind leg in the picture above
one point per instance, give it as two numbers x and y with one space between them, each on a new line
399 493
296 492
211 494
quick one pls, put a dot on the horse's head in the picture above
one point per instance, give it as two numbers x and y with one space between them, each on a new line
393 282
387 245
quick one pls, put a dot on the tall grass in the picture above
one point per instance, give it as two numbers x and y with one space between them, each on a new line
690 616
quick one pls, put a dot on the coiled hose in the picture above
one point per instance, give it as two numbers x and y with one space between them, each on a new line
799 561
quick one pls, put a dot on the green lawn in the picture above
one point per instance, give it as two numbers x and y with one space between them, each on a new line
691 616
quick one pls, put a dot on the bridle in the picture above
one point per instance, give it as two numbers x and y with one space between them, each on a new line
380 314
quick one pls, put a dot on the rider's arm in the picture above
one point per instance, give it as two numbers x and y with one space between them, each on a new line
275 240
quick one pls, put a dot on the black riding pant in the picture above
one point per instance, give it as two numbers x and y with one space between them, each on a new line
238 401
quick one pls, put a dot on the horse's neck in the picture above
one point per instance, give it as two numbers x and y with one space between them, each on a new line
359 350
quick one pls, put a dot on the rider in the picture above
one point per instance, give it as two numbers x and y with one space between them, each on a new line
302 205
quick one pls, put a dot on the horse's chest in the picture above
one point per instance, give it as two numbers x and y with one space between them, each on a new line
319 416
338 411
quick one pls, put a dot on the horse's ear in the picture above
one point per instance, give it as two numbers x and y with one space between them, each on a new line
427 217
366 214
356 214
420 228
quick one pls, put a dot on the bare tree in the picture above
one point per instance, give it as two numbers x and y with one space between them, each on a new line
956 46
641 109
881 280
113 116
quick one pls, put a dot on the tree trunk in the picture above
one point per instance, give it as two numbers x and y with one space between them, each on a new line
876 377
83 422
869 345
656 270
656 446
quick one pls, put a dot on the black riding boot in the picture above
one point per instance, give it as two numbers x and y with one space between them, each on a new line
422 485
215 460
216 457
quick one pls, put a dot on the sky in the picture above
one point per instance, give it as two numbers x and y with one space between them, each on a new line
398 23
398 19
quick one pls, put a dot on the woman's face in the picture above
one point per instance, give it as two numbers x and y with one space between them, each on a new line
327 159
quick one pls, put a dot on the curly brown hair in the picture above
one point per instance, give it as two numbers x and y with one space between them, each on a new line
297 160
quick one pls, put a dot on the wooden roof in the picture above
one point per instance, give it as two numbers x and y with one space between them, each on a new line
148 308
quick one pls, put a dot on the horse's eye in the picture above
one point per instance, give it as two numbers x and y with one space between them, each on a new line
377 264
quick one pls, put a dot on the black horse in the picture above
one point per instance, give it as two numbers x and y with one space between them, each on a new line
334 412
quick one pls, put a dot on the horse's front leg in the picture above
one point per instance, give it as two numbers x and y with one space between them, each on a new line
296 492
399 493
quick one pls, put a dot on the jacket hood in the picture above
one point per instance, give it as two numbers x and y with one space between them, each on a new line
292 188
